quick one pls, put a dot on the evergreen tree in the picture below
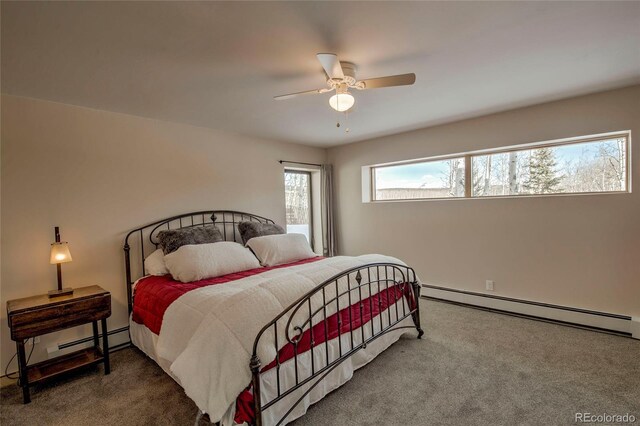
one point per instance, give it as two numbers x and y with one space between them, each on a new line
542 172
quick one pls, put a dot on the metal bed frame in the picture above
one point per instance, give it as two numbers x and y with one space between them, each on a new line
306 312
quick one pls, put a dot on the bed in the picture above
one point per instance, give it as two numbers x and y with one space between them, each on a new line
259 346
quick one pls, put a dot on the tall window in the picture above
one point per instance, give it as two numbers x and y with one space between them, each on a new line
297 187
590 164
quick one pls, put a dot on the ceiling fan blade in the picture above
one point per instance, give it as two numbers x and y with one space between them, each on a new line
331 65
389 81
307 92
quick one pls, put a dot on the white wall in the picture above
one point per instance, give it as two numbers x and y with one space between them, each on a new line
581 251
98 174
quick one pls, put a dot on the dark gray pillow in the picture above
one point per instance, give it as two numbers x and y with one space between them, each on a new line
171 240
249 230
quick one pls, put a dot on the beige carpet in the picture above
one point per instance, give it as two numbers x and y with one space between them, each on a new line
471 368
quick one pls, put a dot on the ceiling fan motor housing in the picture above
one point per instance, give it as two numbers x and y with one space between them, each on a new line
349 71
349 79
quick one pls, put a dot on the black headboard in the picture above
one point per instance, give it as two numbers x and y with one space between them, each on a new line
145 237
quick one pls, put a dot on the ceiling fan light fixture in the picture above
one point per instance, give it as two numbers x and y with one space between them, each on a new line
342 101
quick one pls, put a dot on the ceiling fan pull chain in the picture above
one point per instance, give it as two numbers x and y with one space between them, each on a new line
346 121
338 112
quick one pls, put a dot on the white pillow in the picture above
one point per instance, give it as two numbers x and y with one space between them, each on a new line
278 249
154 264
199 261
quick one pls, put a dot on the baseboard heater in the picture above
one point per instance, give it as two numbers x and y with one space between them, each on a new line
594 320
112 348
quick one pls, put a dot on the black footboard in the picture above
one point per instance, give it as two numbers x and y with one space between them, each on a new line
362 303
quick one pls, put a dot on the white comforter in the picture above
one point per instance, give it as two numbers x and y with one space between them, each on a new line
208 334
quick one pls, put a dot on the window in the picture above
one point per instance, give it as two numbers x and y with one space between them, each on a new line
426 179
591 164
297 186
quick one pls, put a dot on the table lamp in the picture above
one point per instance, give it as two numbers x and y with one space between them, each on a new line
60 254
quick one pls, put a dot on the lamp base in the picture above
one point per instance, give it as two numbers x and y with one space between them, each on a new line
63 292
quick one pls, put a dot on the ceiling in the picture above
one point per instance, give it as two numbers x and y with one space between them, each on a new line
219 64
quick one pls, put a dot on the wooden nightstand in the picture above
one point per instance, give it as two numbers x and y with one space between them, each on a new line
37 315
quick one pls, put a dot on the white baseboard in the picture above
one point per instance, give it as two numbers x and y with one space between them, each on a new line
635 327
581 317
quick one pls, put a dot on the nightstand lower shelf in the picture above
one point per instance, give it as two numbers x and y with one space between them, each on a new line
63 364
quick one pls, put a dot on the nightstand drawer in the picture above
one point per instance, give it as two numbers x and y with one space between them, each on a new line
34 322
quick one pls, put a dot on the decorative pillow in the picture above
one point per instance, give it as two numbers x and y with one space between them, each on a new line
154 264
249 230
172 240
197 262
274 250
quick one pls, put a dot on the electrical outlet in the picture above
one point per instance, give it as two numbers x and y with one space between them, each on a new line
489 284
34 341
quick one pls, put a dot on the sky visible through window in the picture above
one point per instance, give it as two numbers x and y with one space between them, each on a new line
433 174
419 175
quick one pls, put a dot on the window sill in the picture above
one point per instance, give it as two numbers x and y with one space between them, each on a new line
494 197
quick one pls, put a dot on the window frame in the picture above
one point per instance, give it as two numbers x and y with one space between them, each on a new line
310 197
468 156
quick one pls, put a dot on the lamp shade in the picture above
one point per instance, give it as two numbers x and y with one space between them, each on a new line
342 101
60 253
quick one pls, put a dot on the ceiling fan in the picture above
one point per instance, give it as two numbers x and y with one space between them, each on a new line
341 76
